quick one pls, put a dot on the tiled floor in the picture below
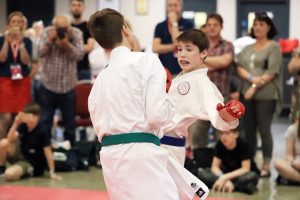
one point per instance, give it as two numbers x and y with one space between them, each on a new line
267 189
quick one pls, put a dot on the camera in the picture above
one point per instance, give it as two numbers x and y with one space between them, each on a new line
61 33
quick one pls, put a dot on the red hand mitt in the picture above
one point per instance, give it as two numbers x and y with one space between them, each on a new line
239 106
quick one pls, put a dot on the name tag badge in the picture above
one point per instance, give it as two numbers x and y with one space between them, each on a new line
16 72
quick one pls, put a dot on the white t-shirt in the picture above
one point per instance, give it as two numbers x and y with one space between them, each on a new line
195 97
129 95
291 133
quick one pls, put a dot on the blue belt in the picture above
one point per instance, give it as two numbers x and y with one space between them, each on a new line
172 141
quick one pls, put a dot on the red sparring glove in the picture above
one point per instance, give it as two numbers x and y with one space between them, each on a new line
239 106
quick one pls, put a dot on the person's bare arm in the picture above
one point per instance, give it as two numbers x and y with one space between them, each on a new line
89 46
219 62
294 65
50 162
238 172
13 133
4 50
34 70
216 166
289 156
24 55
160 48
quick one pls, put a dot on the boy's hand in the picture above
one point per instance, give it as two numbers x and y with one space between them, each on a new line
219 184
55 177
228 187
19 118
234 107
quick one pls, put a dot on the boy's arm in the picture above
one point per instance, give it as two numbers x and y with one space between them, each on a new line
159 108
50 162
13 133
238 172
215 166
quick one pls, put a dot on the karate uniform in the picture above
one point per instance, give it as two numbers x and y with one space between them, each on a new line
195 97
129 96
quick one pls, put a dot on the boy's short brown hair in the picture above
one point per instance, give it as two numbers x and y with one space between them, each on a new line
195 36
32 108
106 27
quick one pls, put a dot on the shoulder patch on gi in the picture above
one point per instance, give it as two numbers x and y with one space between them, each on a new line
183 87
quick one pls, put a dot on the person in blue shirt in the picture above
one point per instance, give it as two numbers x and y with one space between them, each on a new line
166 32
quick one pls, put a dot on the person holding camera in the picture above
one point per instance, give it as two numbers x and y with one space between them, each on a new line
60 48
15 55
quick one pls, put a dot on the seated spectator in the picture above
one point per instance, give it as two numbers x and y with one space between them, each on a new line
26 147
294 70
232 168
289 169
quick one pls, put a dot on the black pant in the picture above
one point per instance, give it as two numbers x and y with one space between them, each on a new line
240 183
258 117
66 103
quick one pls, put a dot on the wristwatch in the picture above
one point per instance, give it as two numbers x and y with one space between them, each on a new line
254 85
175 24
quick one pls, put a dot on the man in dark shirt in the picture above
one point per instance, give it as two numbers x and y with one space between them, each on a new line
166 32
27 147
83 66
232 167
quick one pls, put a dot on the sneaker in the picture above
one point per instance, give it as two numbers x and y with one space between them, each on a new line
281 181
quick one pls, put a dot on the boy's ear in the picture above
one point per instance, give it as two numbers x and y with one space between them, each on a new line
125 30
203 53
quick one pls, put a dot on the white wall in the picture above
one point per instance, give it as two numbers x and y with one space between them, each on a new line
144 25
294 19
2 15
227 9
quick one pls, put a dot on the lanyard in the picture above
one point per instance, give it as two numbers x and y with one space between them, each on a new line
15 50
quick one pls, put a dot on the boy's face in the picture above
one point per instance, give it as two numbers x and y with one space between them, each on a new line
228 138
189 56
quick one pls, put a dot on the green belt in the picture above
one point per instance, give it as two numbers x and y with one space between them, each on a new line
130 138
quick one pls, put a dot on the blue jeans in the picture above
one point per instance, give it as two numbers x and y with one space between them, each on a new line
66 102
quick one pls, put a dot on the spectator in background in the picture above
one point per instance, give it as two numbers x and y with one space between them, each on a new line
15 56
60 48
98 59
34 33
83 66
294 70
232 168
289 169
219 62
260 68
166 32
27 147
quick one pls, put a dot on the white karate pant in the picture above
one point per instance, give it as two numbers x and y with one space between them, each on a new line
187 184
137 171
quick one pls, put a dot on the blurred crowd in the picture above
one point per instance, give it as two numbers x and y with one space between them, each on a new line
45 64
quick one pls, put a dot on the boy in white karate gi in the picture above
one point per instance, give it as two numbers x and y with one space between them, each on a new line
195 97
128 104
